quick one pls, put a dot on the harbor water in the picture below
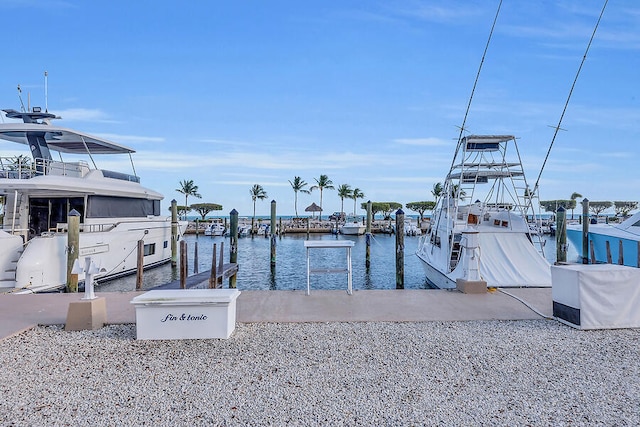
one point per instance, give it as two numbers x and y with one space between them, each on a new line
290 272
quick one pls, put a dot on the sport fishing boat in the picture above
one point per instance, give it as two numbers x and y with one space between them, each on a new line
488 239
38 193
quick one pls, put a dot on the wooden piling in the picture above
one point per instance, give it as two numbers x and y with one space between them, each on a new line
585 231
593 253
174 233
307 228
399 250
620 254
272 228
368 237
197 226
139 265
561 235
195 257
213 279
233 250
184 264
73 248
607 246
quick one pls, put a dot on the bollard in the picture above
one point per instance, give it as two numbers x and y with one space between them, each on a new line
585 231
368 237
140 265
73 248
273 234
561 235
174 233
233 247
399 251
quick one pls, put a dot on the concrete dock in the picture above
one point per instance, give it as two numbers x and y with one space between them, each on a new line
21 312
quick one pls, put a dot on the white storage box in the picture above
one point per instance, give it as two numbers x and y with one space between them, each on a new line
596 296
185 314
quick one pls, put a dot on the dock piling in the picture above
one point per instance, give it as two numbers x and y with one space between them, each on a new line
368 237
585 231
399 250
140 265
73 248
561 235
233 247
184 264
273 234
195 257
174 233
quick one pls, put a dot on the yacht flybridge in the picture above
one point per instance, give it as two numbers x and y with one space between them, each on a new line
39 192
479 228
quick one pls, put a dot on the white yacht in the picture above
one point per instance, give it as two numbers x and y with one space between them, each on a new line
39 192
488 238
353 227
215 229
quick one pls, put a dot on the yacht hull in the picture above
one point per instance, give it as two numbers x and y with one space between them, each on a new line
43 265
599 239
434 276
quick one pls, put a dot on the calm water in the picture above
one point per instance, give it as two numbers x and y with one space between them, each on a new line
291 269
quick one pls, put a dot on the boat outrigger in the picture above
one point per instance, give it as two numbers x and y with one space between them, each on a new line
489 238
39 192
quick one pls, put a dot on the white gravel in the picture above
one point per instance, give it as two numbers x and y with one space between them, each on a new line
515 373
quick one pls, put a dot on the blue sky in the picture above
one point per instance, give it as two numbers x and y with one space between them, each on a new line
370 93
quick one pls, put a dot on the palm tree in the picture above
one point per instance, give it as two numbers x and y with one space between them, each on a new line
437 190
188 188
322 183
257 192
574 196
298 184
344 192
355 195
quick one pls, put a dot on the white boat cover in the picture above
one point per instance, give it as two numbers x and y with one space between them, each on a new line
510 260
597 296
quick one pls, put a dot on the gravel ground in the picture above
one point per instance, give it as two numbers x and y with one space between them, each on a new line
537 372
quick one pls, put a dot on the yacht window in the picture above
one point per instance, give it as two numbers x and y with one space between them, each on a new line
114 207
149 249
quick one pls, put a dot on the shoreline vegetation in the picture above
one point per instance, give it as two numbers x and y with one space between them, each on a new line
301 225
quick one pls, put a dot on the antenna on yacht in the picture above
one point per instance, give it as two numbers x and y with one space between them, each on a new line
566 104
464 120
466 113
46 93
20 97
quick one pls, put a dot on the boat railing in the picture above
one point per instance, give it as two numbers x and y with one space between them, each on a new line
24 168
63 227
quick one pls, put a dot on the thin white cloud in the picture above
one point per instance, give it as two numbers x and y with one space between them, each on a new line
131 138
84 115
426 142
